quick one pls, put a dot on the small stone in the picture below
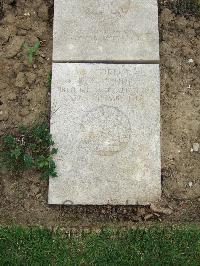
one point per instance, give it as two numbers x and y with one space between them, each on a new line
195 147
190 61
21 80
27 14
14 47
190 184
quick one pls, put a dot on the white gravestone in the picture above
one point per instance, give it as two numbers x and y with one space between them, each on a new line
106 30
106 125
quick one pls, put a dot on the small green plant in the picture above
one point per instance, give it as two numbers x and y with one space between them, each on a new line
32 50
30 148
49 78
185 7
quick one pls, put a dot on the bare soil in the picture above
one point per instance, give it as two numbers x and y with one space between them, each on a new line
25 98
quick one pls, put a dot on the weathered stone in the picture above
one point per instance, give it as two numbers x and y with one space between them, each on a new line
113 30
196 147
106 125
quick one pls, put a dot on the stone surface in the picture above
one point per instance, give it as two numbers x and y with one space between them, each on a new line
101 30
106 124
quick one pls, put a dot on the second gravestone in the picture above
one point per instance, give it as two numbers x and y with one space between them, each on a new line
106 124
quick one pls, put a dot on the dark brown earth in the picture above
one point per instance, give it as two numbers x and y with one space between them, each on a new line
25 98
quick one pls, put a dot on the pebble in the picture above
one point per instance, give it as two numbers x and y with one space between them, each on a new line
190 61
195 147
190 184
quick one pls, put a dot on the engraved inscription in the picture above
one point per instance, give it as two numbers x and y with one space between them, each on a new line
105 130
107 34
111 85
106 9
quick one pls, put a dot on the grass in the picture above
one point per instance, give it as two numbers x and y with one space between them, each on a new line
31 50
30 148
49 79
154 246
185 7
